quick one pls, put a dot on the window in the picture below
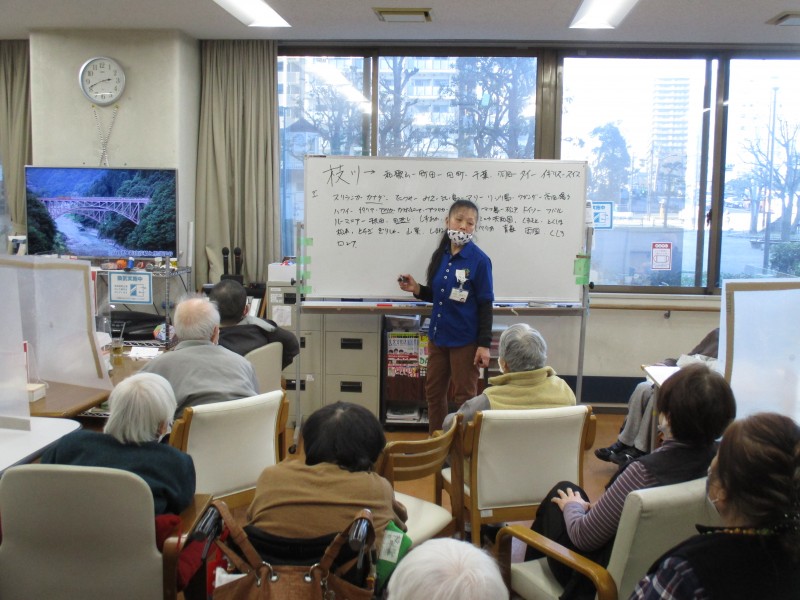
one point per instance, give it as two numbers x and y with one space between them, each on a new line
484 108
324 108
649 126
642 139
762 171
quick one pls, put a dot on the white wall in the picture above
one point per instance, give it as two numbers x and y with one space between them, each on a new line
156 125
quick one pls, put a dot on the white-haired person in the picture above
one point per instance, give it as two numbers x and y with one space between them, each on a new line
526 381
447 569
141 409
199 370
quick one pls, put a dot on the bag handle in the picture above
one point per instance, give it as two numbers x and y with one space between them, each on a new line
253 559
364 515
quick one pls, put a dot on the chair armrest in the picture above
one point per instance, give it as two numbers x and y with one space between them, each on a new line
169 560
590 432
600 577
174 544
178 433
192 513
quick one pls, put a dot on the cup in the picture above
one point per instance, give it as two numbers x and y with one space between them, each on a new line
117 345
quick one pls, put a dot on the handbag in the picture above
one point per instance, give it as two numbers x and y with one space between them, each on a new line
261 580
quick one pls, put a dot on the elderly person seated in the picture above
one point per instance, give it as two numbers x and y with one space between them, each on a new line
199 370
525 383
141 409
140 415
447 569
242 333
754 483
318 494
695 406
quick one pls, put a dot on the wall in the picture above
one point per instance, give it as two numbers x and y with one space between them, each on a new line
157 120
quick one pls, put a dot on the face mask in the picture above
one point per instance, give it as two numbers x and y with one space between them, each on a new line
712 502
459 238
663 426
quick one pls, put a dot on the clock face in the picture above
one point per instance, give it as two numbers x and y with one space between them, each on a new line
102 80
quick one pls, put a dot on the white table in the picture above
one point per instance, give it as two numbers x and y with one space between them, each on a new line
20 446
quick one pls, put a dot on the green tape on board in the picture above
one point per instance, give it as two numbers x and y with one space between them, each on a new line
304 289
580 269
306 241
304 260
305 274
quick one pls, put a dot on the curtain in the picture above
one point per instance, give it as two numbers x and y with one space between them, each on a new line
15 126
237 202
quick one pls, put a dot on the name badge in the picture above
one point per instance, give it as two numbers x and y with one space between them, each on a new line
458 295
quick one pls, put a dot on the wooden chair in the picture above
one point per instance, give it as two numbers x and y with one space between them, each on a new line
82 532
411 460
231 443
267 362
514 457
653 521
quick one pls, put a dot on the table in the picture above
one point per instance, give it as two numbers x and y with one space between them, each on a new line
67 400
19 446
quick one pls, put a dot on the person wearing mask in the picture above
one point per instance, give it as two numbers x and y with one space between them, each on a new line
242 333
198 369
754 483
319 492
140 414
526 381
695 405
460 286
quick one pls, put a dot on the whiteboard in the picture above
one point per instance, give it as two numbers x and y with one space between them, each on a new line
758 336
368 219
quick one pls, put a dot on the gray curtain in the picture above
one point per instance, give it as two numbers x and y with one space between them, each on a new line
15 126
237 200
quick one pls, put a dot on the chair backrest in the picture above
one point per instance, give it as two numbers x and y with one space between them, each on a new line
517 455
77 532
415 459
231 442
267 362
653 521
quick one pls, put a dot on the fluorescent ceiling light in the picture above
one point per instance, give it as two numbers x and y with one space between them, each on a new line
601 14
403 15
253 13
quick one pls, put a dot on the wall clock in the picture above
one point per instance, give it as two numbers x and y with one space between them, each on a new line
102 80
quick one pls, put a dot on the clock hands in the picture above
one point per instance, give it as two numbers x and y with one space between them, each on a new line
99 82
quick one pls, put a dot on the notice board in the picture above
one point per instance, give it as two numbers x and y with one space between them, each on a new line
368 219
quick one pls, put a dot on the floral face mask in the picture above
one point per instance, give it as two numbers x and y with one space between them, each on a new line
459 238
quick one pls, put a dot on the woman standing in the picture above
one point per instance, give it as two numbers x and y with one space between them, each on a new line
754 482
460 287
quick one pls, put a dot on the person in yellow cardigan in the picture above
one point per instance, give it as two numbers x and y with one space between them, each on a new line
526 381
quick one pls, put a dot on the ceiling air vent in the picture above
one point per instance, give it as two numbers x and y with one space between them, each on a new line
403 15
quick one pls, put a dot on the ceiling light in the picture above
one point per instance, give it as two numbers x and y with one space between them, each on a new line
786 19
253 13
601 14
403 15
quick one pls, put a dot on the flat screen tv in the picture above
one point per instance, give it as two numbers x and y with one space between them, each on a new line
99 212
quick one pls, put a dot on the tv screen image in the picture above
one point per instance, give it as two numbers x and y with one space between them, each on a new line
99 212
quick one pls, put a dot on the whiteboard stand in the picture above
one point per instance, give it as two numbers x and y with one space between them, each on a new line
584 318
298 283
